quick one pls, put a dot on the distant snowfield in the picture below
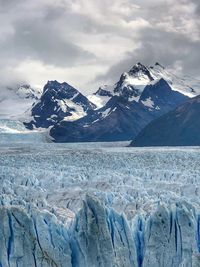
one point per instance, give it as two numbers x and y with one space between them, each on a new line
13 131
141 205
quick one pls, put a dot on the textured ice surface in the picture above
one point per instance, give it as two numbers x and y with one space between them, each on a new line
88 205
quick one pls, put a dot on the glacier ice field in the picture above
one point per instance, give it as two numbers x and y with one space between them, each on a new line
98 205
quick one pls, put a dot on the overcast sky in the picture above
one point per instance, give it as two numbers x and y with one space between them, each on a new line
91 42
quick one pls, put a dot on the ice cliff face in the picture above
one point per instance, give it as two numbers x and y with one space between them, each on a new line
122 207
32 240
100 237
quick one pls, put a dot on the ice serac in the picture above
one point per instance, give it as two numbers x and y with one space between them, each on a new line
99 236
121 118
175 231
58 101
102 238
180 127
35 240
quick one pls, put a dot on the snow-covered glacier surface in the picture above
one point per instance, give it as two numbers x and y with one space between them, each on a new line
13 131
99 205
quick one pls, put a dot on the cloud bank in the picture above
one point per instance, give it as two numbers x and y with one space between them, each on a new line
89 42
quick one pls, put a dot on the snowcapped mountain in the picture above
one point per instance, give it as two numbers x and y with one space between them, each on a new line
133 82
15 101
180 127
121 118
26 91
59 101
186 85
117 120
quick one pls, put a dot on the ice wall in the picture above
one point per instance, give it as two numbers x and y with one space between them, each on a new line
99 236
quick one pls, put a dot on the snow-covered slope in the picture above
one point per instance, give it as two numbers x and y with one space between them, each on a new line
186 85
133 82
15 101
76 206
59 101
13 131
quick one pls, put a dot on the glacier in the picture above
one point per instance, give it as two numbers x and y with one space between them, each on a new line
102 204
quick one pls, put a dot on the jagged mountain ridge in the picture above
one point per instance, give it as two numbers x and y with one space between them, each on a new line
45 113
133 82
110 123
180 127
58 101
120 119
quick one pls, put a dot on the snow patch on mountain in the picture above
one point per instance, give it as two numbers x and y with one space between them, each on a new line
98 101
77 111
185 85
148 103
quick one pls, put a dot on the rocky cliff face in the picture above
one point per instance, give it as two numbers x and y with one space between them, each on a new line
180 127
58 101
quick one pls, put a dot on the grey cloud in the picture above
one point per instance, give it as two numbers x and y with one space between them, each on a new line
68 34
159 44
156 46
42 42
39 38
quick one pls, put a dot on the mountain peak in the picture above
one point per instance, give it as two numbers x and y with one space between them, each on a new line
139 69
58 101
162 81
103 91
160 86
159 65
57 88
180 127
26 91
139 64
55 83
